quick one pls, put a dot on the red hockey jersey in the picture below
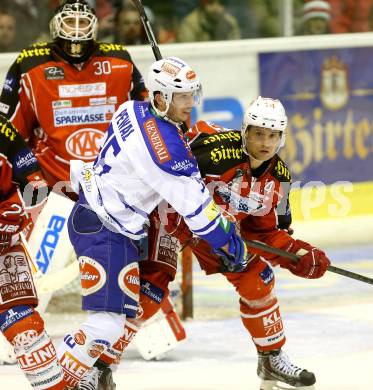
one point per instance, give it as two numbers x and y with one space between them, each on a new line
257 199
63 110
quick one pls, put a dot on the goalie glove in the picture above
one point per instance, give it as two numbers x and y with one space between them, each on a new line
312 263
236 257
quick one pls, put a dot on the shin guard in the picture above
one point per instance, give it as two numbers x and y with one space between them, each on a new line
24 329
264 324
80 350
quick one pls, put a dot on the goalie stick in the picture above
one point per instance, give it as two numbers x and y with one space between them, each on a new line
292 256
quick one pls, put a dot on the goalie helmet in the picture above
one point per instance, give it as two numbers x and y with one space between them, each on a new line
267 113
171 75
74 29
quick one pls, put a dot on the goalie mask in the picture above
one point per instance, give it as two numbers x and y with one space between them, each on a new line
267 113
172 75
74 29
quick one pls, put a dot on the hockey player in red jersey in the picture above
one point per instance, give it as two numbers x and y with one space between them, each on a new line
62 95
251 183
21 182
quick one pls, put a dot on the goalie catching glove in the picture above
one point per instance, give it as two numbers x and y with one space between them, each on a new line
312 263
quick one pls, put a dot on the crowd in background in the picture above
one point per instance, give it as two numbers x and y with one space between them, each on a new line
23 22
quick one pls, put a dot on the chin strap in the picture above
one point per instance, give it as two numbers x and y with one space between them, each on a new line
163 114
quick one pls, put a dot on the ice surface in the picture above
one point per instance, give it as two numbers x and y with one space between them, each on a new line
328 323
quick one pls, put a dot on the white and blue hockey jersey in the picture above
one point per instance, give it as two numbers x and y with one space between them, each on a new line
144 160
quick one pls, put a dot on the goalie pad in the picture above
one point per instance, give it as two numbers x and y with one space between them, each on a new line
161 333
49 241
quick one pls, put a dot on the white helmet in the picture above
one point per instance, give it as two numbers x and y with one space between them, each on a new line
74 27
267 113
171 75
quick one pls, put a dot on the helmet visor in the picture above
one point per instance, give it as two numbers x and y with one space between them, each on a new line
183 98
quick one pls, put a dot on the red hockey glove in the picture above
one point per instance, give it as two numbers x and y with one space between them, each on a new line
312 264
11 223
7 230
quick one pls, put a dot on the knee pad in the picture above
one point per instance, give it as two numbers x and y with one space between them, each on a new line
153 292
21 324
255 283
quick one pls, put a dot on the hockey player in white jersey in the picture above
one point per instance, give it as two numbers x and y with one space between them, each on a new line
144 159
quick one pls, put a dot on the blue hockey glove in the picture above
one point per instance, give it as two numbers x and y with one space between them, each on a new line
237 257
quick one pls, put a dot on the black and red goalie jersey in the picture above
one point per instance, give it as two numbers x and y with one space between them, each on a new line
63 110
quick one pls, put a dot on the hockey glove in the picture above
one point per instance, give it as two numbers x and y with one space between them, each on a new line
7 230
11 223
236 258
312 264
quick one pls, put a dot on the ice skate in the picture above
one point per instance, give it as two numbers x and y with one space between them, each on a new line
278 373
100 377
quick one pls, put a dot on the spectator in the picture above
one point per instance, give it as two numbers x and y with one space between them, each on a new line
7 32
316 18
351 15
105 14
210 21
29 15
128 26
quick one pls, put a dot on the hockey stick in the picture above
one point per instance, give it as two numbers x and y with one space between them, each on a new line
148 29
152 40
292 256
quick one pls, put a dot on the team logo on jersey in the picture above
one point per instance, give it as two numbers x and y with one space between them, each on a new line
84 143
129 281
79 90
156 141
92 275
54 73
72 116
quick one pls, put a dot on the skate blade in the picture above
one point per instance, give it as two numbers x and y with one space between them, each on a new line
275 385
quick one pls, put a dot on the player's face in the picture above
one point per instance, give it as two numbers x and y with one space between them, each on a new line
262 143
76 25
181 106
